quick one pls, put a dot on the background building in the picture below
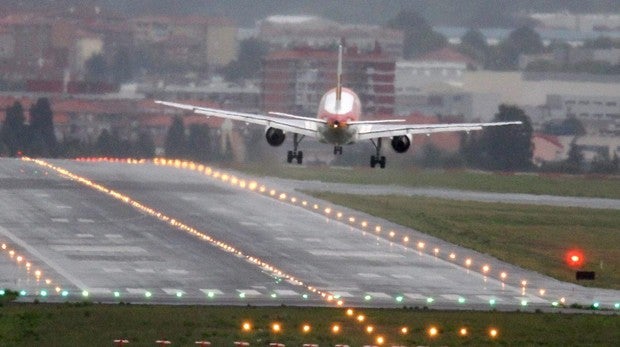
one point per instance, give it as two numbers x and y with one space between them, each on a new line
295 80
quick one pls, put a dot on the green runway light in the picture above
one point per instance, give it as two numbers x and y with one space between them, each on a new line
596 305
617 305
242 295
367 297
117 294
399 298
43 293
23 293
179 294
554 304
147 294
210 294
430 300
336 296
461 300
523 302
85 293
273 295
64 293
492 302
305 296
2 292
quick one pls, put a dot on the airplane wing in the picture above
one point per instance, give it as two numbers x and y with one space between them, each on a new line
296 124
373 131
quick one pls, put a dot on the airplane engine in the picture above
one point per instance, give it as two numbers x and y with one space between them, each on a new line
401 143
274 136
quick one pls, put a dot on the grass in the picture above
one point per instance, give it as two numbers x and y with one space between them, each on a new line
99 325
562 185
533 237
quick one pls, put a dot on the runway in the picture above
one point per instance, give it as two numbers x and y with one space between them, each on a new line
234 241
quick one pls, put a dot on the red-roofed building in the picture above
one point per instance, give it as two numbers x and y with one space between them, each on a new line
547 148
294 81
448 55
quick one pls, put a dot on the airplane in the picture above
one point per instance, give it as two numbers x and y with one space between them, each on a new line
338 122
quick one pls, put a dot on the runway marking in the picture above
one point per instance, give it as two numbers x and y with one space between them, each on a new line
42 195
368 275
342 294
274 225
451 297
85 220
177 272
353 254
314 240
285 292
214 291
136 290
286 239
531 299
414 296
379 295
488 298
100 249
99 290
84 236
60 270
114 236
60 220
173 291
112 270
63 207
402 277
145 271
249 224
249 292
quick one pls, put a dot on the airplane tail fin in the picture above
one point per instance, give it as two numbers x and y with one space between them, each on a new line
339 78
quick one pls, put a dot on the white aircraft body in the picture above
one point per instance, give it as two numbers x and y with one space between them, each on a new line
338 122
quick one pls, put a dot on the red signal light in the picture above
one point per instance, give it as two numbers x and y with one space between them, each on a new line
574 258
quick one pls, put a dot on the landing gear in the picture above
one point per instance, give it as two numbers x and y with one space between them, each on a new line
337 150
294 154
378 158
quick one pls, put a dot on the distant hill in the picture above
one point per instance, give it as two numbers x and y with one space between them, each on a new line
481 13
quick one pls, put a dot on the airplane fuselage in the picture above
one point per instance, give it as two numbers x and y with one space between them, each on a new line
338 115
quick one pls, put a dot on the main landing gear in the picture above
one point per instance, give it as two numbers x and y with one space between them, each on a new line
294 154
378 158
337 150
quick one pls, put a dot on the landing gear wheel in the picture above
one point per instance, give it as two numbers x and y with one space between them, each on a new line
300 157
373 161
337 150
289 157
382 162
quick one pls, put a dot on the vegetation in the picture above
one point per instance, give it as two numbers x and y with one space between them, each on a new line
548 184
99 325
533 237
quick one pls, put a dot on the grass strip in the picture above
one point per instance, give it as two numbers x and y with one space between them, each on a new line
538 184
99 325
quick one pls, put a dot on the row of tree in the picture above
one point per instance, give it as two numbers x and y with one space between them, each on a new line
506 148
34 139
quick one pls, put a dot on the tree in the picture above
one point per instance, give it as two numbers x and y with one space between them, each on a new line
176 144
509 147
199 142
107 145
13 129
420 37
248 62
145 147
43 138
96 68
523 40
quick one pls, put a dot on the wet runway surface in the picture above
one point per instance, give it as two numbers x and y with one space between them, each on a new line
234 240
